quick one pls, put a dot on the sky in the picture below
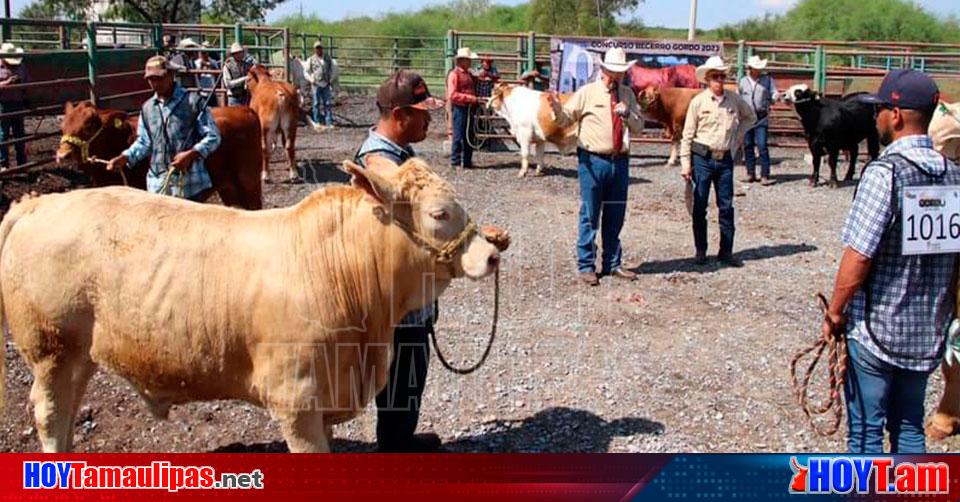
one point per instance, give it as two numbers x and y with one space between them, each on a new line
669 13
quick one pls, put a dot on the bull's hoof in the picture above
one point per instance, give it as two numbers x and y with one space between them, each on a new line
834 184
538 173
522 173
848 178
812 182
942 426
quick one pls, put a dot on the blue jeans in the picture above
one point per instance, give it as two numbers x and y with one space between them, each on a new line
461 153
719 173
12 128
322 96
757 138
603 206
398 404
877 394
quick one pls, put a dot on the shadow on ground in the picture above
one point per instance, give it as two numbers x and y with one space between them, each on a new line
557 429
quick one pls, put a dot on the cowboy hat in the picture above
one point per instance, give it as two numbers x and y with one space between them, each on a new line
714 63
317 44
188 43
235 48
615 60
465 53
757 63
8 48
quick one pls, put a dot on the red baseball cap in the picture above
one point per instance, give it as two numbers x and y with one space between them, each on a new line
406 89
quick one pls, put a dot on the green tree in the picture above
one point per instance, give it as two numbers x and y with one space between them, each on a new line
578 17
153 11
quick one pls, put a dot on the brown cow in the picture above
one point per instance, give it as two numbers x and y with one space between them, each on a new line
89 133
668 106
277 105
292 309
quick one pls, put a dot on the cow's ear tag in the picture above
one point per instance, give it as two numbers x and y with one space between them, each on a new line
117 123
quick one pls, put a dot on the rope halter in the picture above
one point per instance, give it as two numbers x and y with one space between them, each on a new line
84 145
445 252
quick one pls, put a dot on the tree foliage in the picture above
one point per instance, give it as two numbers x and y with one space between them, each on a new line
579 17
152 11
894 20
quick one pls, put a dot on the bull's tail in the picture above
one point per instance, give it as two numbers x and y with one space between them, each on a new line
17 211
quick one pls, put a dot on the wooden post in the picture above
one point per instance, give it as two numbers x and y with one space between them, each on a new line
741 54
396 54
286 52
531 51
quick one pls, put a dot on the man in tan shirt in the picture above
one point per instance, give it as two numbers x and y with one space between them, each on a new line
606 111
716 123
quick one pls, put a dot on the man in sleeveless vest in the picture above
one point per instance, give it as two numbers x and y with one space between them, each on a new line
894 295
176 132
235 75
405 105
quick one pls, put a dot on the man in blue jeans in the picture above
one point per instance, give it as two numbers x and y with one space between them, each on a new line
605 110
894 295
759 91
716 123
320 75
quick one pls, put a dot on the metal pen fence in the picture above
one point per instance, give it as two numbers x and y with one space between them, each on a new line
103 62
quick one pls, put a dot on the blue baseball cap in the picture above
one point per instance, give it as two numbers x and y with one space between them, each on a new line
906 89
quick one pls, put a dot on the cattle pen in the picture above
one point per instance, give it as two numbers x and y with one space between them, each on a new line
687 358
101 61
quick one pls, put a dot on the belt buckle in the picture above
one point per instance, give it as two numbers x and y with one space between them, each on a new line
718 154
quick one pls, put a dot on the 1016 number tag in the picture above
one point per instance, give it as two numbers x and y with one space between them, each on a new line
931 220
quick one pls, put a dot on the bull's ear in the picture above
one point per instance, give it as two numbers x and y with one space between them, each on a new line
374 185
67 108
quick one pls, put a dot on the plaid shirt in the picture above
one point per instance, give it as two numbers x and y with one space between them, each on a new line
901 313
164 131
377 144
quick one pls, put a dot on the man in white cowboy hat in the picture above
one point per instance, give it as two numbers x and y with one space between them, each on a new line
319 72
12 72
235 70
605 110
462 96
206 81
716 123
186 49
759 91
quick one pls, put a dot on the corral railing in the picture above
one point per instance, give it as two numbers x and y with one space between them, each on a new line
103 63
69 61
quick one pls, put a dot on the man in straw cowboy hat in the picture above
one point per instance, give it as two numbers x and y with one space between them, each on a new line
462 95
175 133
206 81
12 72
235 70
716 123
759 91
605 110
319 73
895 288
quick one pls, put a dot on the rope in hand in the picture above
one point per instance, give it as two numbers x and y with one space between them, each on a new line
493 334
97 160
836 348
181 182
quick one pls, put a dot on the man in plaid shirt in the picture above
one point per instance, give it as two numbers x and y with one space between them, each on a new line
175 134
895 307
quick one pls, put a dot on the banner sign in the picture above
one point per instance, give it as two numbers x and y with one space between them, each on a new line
576 61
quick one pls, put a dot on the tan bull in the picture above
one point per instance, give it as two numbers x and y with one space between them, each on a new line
945 131
292 309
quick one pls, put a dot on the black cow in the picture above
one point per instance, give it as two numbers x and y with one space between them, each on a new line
831 125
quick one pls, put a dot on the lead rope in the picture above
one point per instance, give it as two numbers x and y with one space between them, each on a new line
493 334
836 348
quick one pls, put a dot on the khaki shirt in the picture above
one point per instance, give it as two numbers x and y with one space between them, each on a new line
590 106
719 123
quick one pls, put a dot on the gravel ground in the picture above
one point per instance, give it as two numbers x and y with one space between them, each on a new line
685 359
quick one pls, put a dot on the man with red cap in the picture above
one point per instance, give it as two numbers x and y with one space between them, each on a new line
894 295
404 103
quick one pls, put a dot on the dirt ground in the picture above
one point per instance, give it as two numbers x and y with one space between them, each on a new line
691 359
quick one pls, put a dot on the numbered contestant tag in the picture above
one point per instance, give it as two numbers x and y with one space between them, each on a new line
931 220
